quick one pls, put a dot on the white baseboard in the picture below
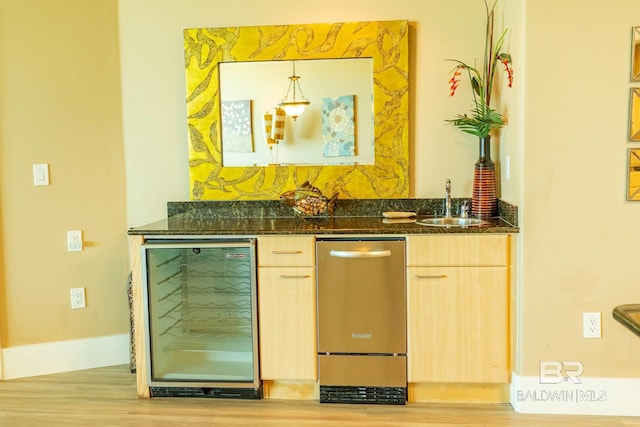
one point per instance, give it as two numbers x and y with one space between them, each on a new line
593 396
64 356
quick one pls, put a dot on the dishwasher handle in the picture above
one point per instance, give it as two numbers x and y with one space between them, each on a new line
360 254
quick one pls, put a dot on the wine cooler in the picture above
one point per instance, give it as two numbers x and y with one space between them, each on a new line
201 318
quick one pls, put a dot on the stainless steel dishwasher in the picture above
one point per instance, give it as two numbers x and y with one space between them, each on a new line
362 345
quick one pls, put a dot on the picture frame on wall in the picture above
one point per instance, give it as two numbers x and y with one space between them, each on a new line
634 114
633 175
635 54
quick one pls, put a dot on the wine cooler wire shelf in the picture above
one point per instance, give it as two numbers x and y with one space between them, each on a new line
198 266
208 341
222 325
224 305
225 277
221 305
207 295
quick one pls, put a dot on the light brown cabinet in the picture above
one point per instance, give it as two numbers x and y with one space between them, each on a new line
458 308
287 307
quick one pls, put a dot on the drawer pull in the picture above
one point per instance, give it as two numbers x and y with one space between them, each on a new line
435 276
286 252
301 276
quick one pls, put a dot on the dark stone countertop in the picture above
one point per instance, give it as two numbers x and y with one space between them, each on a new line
629 316
362 216
179 224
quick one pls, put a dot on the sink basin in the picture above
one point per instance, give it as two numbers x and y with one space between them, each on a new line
449 222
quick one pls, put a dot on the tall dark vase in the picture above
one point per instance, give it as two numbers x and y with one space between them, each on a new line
484 203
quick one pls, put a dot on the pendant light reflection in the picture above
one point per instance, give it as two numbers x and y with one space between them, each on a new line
294 106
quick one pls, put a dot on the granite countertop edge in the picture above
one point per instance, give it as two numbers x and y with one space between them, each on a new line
266 226
352 217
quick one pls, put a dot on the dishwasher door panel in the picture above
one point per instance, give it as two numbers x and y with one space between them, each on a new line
361 296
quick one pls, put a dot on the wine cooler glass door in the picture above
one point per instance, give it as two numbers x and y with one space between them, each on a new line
201 314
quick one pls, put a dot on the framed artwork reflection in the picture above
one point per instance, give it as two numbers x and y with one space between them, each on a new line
237 134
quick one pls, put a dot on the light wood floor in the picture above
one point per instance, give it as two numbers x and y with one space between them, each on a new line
107 397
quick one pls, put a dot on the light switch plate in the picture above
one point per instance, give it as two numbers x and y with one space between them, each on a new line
41 174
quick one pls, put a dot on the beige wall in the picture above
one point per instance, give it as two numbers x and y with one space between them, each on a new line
60 104
579 242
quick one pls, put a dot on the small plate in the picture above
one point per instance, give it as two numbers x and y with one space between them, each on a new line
398 214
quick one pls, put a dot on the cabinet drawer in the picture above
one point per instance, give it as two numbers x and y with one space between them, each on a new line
458 250
286 251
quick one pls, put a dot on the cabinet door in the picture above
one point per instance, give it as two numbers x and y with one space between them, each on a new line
458 329
287 315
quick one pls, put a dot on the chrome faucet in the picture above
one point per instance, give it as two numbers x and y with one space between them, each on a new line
447 199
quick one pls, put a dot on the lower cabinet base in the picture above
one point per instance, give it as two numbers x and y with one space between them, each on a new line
416 392
458 393
295 390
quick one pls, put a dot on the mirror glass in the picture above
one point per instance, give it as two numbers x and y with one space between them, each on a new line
634 114
310 139
633 181
384 43
635 54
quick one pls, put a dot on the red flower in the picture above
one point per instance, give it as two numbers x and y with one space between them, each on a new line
509 71
454 81
483 118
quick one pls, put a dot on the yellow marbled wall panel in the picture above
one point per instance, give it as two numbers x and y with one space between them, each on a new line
386 42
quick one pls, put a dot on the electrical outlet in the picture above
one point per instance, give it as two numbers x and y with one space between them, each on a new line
74 240
77 298
591 325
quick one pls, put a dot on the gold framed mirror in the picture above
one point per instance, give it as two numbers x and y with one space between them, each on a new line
634 114
386 42
635 54
633 177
